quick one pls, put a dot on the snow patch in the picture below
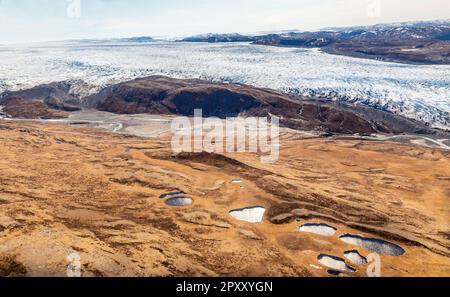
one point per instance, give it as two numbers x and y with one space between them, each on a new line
355 257
252 214
335 263
321 229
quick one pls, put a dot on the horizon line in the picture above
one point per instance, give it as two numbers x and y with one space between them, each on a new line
170 38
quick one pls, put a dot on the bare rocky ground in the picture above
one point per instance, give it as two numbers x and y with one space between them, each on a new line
160 95
66 189
419 43
19 107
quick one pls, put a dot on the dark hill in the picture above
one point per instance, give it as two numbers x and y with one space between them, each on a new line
163 95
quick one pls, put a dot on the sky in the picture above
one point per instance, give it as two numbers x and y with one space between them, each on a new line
46 20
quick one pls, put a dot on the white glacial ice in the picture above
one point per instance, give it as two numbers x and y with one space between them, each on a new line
420 92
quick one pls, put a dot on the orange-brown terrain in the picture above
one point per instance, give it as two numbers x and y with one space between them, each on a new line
65 189
19 107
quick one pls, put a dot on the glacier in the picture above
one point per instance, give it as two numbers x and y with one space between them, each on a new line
420 92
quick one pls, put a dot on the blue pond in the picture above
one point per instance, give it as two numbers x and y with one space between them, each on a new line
179 201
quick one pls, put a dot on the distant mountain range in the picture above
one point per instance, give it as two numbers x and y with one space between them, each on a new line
138 39
414 42
212 37
392 25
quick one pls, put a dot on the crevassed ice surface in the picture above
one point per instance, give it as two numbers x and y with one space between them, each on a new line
419 92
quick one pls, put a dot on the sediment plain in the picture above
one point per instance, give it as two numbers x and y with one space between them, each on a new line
68 188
